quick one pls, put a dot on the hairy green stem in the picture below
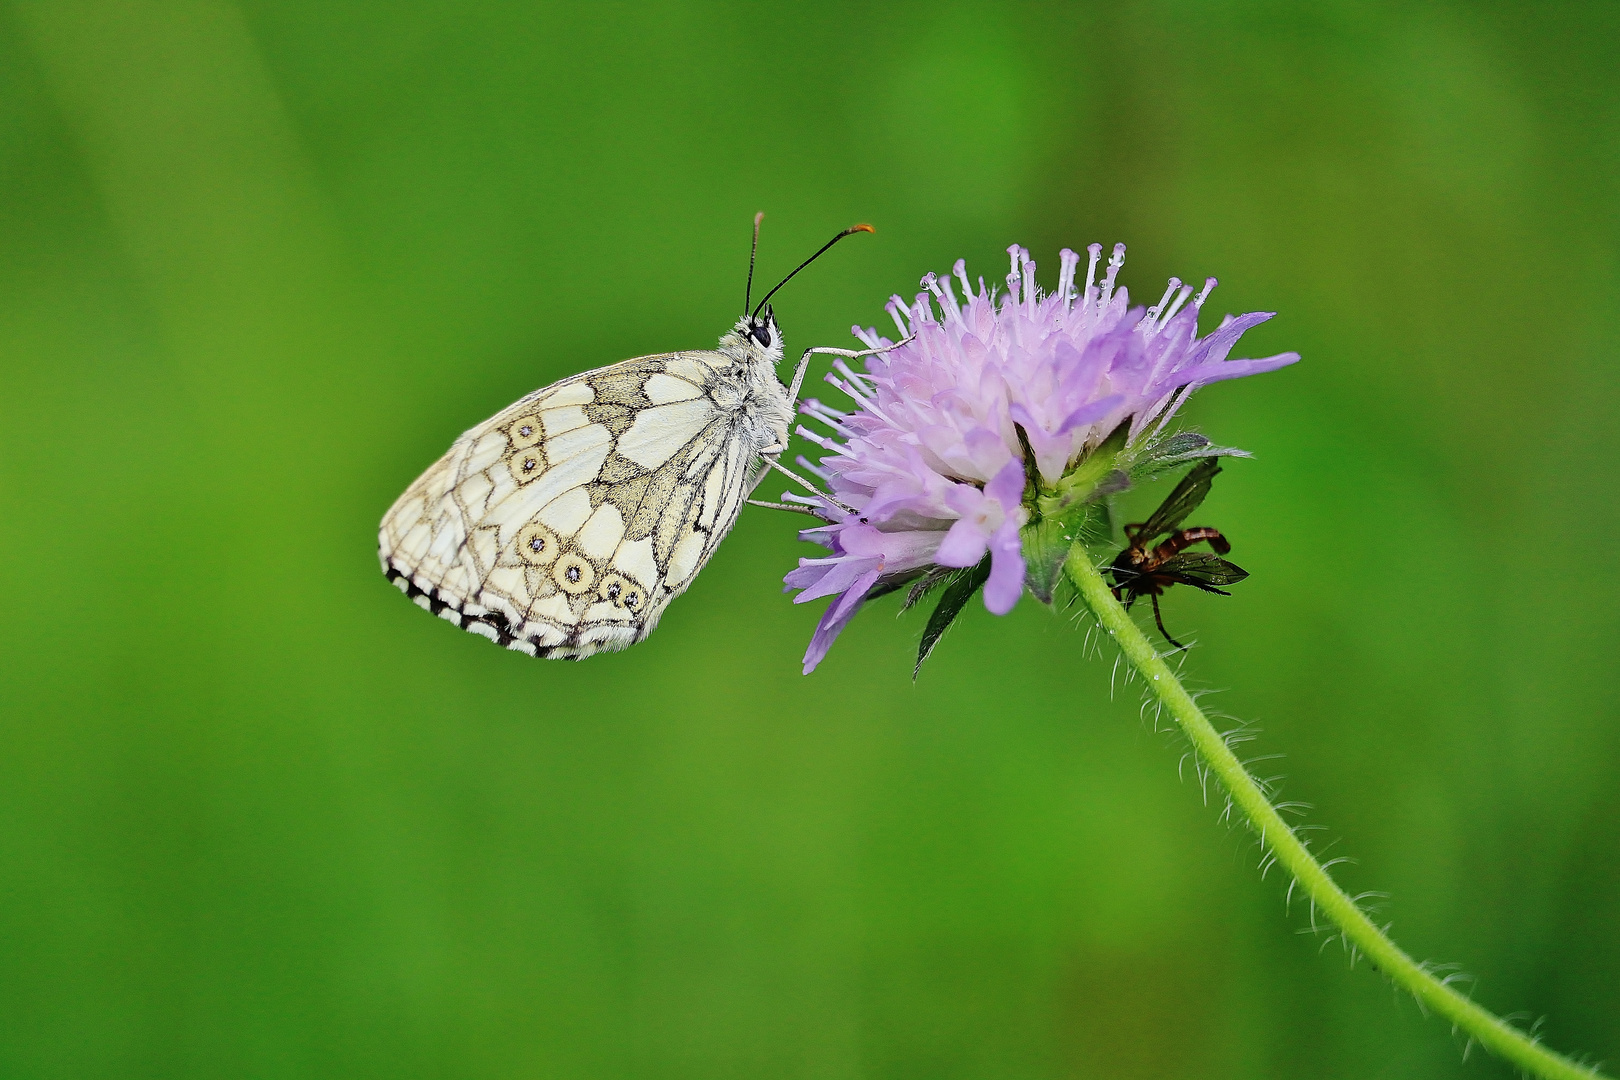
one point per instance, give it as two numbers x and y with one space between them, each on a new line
1280 840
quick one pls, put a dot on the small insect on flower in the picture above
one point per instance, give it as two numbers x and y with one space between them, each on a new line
1142 571
565 524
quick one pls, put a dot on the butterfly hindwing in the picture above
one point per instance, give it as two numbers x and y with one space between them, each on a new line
565 524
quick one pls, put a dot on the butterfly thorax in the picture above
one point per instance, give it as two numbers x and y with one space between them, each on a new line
749 387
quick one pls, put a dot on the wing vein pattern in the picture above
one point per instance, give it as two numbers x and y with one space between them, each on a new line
564 525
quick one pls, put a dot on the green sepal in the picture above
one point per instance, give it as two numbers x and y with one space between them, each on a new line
932 579
1045 545
1171 451
1071 511
1099 474
960 587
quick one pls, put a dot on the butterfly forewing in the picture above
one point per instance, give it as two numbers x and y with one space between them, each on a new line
566 523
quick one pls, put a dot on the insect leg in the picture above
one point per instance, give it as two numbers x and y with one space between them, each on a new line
1158 618
851 354
771 462
785 506
798 376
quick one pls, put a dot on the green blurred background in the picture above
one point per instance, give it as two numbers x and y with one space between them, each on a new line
260 263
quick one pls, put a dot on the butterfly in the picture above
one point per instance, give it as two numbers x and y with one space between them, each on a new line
565 524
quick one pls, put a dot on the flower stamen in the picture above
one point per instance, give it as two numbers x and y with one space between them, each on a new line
1095 251
1181 299
1203 294
1068 261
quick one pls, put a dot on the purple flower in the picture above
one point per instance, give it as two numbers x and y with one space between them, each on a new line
931 461
989 522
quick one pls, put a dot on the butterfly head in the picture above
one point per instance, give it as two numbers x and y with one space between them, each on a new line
755 338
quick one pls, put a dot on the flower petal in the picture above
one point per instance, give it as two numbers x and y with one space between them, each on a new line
835 618
1006 583
964 545
1008 486
840 576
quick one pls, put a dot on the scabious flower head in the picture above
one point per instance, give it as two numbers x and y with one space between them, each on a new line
987 400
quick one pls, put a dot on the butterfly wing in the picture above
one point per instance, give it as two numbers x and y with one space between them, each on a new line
564 525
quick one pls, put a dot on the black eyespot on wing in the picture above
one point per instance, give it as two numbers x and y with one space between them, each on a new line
573 574
537 545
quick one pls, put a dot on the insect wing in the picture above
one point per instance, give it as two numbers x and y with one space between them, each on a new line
1183 500
1201 570
564 525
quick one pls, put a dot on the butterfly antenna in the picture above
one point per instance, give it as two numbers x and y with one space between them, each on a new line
748 295
852 230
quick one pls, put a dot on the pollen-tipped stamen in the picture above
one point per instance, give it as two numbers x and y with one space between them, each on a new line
1115 261
959 271
1152 318
1203 294
1181 299
1086 296
1068 261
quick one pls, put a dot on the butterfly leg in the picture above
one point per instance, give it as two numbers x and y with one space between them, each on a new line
1159 618
851 354
769 455
798 376
797 509
771 463
799 504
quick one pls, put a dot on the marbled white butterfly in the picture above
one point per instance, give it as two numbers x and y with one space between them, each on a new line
566 523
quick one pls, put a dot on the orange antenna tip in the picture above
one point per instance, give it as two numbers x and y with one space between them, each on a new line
847 232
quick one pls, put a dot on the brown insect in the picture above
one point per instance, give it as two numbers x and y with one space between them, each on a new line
1142 571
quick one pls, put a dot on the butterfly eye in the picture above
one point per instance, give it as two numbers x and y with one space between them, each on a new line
762 334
